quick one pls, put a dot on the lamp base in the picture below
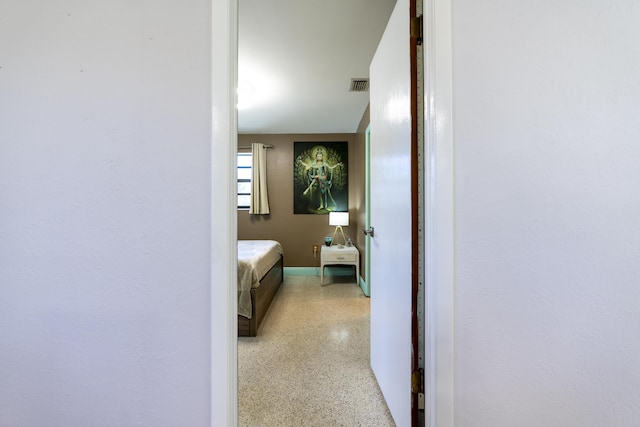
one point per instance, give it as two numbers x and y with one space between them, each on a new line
338 228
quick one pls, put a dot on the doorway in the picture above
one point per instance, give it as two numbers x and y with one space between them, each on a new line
438 202
277 150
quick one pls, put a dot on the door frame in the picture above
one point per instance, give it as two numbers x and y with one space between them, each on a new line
417 244
439 218
223 246
439 226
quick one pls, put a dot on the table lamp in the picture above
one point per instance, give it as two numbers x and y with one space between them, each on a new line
339 219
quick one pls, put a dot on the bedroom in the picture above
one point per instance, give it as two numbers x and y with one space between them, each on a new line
282 68
332 114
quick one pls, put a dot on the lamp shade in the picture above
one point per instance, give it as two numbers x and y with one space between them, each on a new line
338 218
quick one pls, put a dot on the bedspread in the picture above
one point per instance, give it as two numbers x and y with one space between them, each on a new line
255 259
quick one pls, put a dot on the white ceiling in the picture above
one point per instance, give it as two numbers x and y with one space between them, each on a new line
296 59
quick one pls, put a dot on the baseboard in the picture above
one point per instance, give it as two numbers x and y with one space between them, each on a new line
302 271
328 271
346 270
365 287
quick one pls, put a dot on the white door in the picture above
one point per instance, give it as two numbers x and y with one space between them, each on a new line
391 215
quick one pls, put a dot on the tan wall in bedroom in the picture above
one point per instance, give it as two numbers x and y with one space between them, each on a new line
298 233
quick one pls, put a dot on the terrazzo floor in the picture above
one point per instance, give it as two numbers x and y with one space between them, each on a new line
309 364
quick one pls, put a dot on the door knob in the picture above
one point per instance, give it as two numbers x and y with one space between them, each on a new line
368 231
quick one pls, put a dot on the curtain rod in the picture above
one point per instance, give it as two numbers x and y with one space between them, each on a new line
268 147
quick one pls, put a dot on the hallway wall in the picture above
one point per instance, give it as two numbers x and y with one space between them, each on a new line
546 107
105 191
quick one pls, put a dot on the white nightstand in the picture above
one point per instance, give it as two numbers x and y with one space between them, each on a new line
339 255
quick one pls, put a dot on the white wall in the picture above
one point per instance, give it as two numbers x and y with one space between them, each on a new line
105 134
547 154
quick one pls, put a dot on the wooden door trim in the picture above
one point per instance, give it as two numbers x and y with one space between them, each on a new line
415 245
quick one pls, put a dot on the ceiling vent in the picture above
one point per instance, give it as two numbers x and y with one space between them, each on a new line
359 85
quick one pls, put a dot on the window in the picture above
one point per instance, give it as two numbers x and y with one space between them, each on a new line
244 180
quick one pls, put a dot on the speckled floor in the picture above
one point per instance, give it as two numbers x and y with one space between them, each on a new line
309 364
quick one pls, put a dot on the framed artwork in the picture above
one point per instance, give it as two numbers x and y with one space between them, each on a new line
320 177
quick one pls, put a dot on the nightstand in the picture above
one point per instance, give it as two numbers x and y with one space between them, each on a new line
339 255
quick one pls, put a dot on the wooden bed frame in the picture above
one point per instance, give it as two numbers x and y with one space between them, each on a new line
261 298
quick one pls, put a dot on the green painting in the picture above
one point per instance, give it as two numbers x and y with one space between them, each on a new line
320 183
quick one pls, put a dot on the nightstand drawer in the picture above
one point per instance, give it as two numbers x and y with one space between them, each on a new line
339 257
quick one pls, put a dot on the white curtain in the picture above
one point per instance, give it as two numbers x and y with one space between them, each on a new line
259 200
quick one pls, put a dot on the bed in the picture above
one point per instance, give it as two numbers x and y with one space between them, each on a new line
260 274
